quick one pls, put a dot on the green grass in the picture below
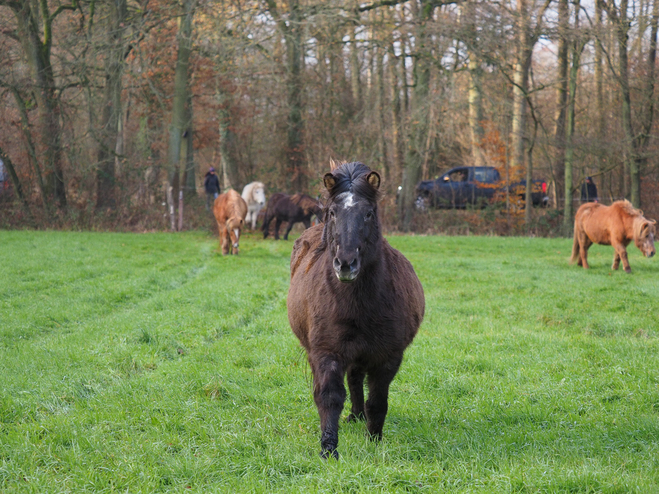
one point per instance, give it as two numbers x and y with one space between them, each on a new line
148 363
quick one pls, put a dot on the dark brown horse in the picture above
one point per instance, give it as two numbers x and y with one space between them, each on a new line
615 225
292 209
354 302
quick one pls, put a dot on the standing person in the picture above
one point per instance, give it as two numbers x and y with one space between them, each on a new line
589 191
212 186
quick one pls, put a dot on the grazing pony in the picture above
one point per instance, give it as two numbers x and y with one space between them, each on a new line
229 210
354 302
254 195
615 225
293 209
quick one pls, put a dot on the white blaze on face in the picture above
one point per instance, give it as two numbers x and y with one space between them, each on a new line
236 232
348 199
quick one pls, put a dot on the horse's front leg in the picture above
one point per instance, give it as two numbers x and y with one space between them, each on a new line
616 261
356 388
225 239
277 226
288 229
329 395
625 261
378 397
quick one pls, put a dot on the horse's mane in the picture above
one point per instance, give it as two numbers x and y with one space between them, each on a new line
351 177
250 187
626 207
305 202
640 221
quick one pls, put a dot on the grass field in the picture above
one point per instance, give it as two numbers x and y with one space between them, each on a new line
147 363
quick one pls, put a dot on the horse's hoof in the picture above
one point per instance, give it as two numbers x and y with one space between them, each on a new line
628 271
376 438
326 453
355 418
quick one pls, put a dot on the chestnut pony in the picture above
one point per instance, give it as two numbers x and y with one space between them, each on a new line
615 225
355 303
230 210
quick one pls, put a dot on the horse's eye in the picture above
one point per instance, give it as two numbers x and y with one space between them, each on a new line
369 215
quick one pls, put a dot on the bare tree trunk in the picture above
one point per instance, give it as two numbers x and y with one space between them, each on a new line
577 48
599 90
468 17
31 149
561 92
647 99
418 127
227 140
292 33
382 127
190 174
179 113
15 180
520 83
355 73
110 120
632 182
31 17
395 115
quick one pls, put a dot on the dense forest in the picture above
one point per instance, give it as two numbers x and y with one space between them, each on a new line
113 108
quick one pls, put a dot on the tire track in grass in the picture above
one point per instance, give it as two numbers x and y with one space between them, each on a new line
60 361
87 302
131 341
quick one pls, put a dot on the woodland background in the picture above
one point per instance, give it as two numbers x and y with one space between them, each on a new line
111 107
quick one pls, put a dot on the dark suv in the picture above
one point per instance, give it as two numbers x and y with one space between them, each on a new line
474 185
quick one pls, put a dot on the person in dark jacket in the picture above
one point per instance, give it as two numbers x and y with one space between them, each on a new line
212 186
589 191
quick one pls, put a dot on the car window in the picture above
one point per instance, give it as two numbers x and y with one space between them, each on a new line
481 175
458 176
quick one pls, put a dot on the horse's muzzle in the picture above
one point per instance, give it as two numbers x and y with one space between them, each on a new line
345 271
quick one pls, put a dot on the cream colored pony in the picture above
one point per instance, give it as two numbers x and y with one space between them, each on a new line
254 195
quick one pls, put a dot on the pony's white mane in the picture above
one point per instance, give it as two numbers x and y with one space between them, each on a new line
251 187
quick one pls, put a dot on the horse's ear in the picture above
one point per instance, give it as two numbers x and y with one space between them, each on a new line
334 164
329 181
374 179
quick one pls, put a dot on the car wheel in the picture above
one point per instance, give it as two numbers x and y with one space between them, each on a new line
421 203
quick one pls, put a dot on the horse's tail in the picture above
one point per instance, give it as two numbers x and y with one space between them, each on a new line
269 214
266 220
575 244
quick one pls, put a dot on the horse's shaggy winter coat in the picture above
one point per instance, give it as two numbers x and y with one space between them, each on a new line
354 302
616 225
292 209
229 210
254 196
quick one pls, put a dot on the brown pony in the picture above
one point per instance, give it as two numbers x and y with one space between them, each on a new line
292 209
230 210
355 303
615 225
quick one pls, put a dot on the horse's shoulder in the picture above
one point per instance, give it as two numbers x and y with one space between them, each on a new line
307 243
